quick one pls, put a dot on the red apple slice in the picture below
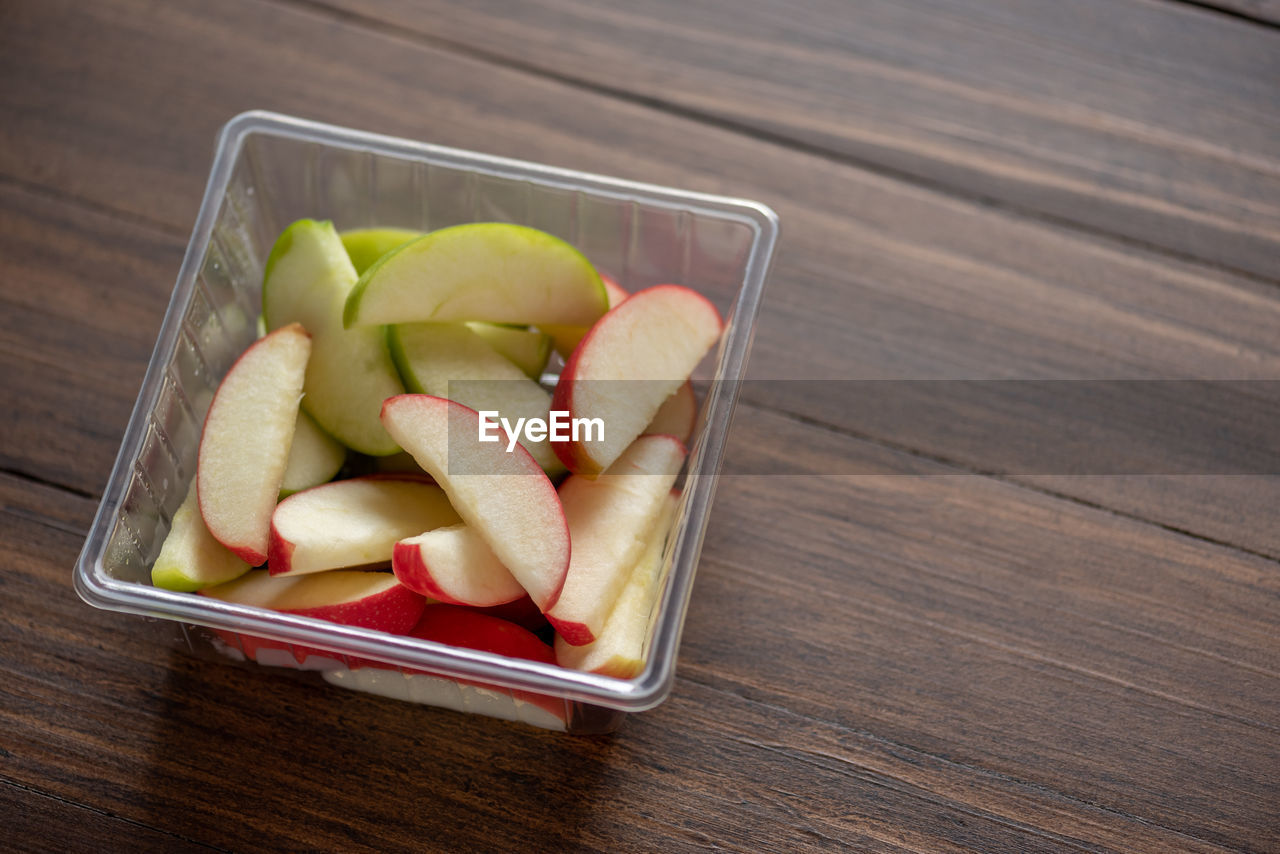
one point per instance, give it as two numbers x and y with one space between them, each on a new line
620 649
503 494
610 520
454 565
371 600
353 522
657 335
246 439
677 415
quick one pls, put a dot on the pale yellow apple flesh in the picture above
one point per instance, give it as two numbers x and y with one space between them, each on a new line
528 349
451 360
565 338
505 496
611 518
620 649
353 522
307 280
677 416
245 445
314 457
454 565
190 557
631 361
489 271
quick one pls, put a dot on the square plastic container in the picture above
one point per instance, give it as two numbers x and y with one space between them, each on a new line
270 170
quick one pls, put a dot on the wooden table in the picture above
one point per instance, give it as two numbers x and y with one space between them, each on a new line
928 655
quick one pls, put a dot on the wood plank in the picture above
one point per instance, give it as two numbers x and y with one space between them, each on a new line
876 280
1156 121
1263 11
32 819
937 691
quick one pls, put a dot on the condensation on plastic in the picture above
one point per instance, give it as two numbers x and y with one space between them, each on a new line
270 170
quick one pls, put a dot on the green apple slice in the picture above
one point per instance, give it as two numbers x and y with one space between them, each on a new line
366 245
450 360
491 271
190 557
314 457
350 373
528 349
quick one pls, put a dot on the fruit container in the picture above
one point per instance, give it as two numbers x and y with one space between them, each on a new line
270 170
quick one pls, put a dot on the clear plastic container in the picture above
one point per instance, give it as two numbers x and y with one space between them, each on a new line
270 170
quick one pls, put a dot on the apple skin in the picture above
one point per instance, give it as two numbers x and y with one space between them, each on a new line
243 524
366 245
477 573
190 557
523 612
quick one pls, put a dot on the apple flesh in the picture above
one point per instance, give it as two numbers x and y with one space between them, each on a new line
620 649
450 360
190 557
454 565
314 457
245 444
677 416
307 280
656 336
565 338
527 349
505 496
354 522
489 271
611 518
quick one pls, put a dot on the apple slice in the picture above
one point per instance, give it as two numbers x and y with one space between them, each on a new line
658 336
504 495
190 557
619 651
245 444
491 271
564 338
464 627
353 522
454 565
314 457
528 349
366 245
450 360
610 520
307 280
677 416
371 600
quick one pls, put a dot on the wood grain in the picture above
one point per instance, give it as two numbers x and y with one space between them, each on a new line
875 279
1155 121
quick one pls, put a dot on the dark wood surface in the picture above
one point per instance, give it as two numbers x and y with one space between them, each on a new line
919 657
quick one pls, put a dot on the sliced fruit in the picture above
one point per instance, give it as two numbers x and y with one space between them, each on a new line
246 439
468 628
677 415
564 338
523 612
454 565
631 361
620 649
610 521
489 271
314 457
450 360
366 245
353 522
371 600
307 279
190 557
505 496
528 349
